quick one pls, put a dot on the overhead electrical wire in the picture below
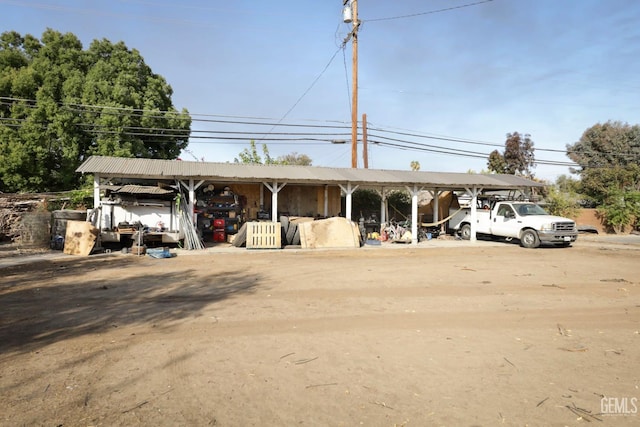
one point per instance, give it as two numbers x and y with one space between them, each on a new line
413 15
378 135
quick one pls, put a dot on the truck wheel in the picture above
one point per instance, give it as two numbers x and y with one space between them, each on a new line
465 232
529 239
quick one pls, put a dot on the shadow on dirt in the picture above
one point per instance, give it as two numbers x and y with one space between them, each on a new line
57 300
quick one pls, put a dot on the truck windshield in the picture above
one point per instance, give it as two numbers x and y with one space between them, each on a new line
525 209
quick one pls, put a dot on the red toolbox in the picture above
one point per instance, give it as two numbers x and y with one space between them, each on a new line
219 236
218 223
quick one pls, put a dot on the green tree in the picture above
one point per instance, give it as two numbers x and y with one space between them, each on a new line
606 145
496 163
294 159
518 157
60 104
250 155
562 203
366 202
621 209
608 156
415 165
567 184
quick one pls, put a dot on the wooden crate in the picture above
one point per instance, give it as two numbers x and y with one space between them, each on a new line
263 235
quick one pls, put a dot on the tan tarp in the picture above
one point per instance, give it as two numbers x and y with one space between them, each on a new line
80 238
334 232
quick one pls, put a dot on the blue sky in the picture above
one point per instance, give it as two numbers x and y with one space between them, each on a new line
549 68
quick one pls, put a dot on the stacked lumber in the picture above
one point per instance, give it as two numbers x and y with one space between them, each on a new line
12 210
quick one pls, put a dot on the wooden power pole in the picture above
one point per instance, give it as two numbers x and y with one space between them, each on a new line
354 100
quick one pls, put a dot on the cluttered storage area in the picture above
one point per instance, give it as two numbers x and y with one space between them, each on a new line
220 213
132 213
221 209
136 214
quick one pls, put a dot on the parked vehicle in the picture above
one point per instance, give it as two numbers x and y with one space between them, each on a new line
525 221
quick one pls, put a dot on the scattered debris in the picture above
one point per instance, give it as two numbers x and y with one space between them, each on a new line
542 401
320 385
144 402
553 285
562 331
159 252
384 405
575 349
586 415
509 362
303 361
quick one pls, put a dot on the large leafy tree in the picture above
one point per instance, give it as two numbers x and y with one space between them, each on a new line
608 156
60 104
518 157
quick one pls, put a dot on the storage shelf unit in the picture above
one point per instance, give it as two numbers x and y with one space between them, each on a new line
218 216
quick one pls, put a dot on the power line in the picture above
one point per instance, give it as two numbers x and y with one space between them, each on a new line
263 121
216 136
308 89
413 15
456 153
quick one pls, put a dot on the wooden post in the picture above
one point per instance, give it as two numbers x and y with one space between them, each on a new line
354 101
365 153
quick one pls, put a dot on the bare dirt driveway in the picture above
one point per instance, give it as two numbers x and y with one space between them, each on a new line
451 333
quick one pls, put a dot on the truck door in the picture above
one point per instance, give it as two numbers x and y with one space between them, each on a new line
505 222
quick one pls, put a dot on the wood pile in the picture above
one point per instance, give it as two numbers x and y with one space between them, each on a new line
12 208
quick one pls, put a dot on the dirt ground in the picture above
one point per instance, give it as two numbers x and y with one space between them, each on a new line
451 334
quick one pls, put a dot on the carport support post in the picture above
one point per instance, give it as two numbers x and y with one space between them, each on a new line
261 197
275 189
414 214
348 192
326 201
474 191
96 191
191 203
383 206
436 205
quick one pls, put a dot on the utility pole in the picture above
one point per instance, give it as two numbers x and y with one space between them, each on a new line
354 108
354 96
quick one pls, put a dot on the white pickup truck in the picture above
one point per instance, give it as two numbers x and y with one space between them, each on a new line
525 221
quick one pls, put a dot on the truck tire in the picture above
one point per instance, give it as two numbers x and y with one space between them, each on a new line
529 239
465 232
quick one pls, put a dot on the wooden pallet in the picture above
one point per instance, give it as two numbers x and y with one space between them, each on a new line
264 235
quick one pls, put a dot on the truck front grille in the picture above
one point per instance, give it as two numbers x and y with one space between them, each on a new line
564 226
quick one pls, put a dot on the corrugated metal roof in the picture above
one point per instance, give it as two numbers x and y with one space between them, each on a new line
237 172
137 189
